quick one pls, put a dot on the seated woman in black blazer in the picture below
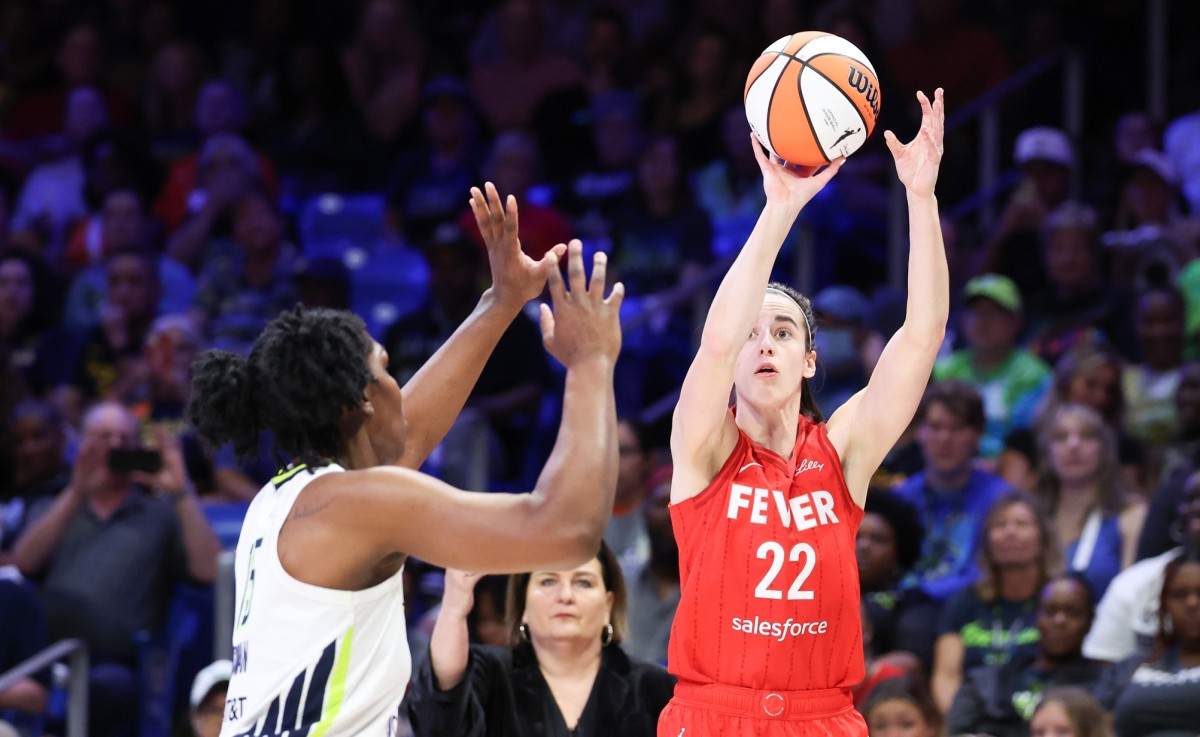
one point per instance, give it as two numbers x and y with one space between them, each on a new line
564 676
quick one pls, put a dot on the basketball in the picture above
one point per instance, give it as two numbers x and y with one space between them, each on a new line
812 97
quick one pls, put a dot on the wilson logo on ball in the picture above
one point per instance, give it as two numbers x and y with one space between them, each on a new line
859 81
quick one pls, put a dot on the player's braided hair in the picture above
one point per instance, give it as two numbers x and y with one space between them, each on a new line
303 381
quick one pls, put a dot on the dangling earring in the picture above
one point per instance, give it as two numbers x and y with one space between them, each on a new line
524 631
606 636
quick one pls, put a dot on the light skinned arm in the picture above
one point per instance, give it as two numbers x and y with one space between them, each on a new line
947 669
449 645
1131 520
702 433
25 695
868 425
559 524
435 395
36 546
200 543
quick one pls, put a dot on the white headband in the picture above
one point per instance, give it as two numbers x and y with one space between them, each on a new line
812 338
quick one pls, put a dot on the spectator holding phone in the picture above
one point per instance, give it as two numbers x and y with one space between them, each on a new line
107 553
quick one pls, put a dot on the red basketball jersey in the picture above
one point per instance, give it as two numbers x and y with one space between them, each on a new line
770 596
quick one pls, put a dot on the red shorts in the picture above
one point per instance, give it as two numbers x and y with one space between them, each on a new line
713 710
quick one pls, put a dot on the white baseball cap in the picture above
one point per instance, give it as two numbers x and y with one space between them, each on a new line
1157 162
1044 144
212 675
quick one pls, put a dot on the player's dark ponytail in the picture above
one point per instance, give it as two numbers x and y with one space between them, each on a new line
304 382
223 407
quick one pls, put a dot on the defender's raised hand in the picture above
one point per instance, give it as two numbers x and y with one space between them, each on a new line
583 323
515 276
917 161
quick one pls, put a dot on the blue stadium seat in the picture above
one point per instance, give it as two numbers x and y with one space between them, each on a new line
335 224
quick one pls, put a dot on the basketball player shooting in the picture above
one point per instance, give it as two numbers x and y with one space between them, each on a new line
319 635
766 498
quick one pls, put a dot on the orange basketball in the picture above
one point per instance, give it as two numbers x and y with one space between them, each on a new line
812 97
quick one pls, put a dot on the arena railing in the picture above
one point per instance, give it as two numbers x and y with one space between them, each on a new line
74 651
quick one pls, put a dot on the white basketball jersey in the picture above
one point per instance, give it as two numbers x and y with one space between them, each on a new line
310 661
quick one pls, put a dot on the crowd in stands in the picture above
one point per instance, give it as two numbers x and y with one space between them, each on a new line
174 174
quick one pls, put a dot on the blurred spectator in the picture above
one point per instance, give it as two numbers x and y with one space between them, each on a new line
79 62
487 622
1151 240
112 162
1089 374
510 87
1011 380
879 666
1181 142
224 160
22 636
564 121
514 165
1179 459
510 388
847 346
1047 159
592 194
1096 517
122 226
660 248
27 312
1070 711
207 698
1132 132
173 81
240 292
383 67
693 107
1157 694
944 51
998 700
107 554
322 282
36 443
1127 620
903 707
92 366
1078 304
730 188
653 584
626 531
889 543
313 134
951 494
51 199
226 172
992 621
1149 387
432 178
121 222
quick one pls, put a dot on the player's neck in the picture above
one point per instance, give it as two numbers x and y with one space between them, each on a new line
359 453
773 428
